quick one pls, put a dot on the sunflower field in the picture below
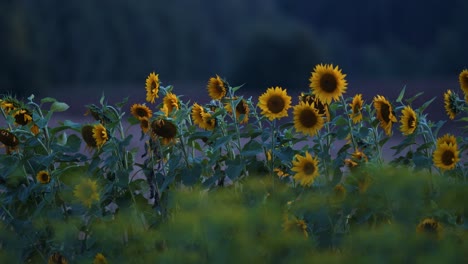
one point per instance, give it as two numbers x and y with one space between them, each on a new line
268 179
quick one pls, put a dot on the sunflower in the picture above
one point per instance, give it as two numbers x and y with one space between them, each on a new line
321 107
209 122
197 115
57 258
8 139
447 138
141 111
100 259
327 82
87 134
164 129
87 192
152 87
22 117
445 156
430 226
463 79
43 177
339 192
144 124
307 119
385 113
216 88
409 121
275 103
242 111
35 129
281 173
100 135
450 105
356 108
297 225
306 169
7 106
171 102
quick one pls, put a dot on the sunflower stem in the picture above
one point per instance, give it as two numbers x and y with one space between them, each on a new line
350 125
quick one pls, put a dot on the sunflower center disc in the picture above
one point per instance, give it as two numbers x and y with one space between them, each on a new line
448 157
309 168
276 104
385 111
308 118
165 130
153 85
328 83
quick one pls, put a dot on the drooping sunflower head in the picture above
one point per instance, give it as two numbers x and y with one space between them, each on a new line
165 130
100 135
356 108
447 138
197 115
275 103
463 79
328 83
87 134
385 113
144 125
216 88
450 104
22 117
446 156
8 105
409 121
8 139
100 259
306 168
87 192
152 87
141 111
171 102
242 110
430 226
307 119
43 177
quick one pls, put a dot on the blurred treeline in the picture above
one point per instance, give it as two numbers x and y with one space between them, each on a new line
52 43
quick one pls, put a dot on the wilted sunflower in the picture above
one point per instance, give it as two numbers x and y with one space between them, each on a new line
450 104
100 259
100 135
152 87
242 111
144 124
87 192
216 88
327 82
409 121
447 138
141 111
164 129
307 119
57 258
430 226
356 108
43 177
87 134
445 156
463 78
22 117
385 113
171 102
306 169
274 103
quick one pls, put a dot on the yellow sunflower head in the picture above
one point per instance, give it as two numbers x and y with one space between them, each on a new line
171 102
22 117
242 111
450 104
447 138
430 226
322 108
43 177
8 139
275 103
57 258
209 122
100 135
409 121
385 113
141 111
296 225
100 259
216 88
356 108
306 168
35 129
7 106
463 79
307 119
445 156
87 134
152 87
281 173
87 192
328 83
197 115
144 125
165 130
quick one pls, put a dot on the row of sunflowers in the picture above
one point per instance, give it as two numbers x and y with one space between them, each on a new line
55 195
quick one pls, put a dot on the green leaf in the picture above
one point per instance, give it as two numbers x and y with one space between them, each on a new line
400 96
48 100
59 107
234 168
426 104
190 176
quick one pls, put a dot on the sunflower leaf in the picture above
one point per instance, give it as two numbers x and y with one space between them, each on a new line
59 107
400 96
